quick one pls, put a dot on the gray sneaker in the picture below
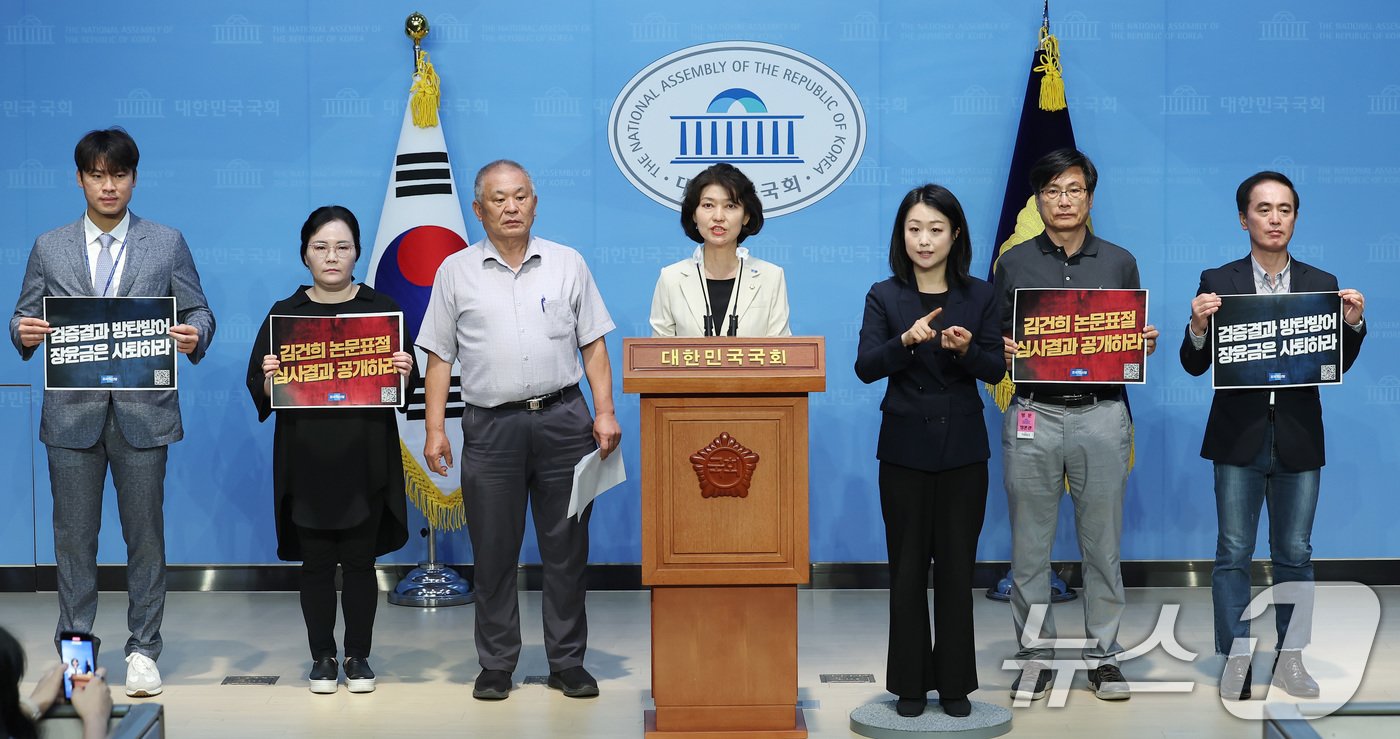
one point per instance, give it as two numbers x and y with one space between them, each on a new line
1108 683
1033 683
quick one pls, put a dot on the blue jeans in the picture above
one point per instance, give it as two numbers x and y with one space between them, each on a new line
1292 500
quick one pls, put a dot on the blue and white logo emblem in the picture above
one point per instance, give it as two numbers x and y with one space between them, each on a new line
791 123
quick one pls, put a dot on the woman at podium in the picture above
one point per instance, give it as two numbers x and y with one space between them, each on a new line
720 290
934 332
337 473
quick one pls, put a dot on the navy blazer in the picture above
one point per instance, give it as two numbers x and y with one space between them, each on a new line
1238 418
932 411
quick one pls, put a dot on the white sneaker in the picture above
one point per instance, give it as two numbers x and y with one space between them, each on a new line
142 677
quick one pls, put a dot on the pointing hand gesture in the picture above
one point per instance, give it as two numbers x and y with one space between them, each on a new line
920 331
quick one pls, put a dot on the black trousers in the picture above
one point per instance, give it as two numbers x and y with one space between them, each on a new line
932 516
353 550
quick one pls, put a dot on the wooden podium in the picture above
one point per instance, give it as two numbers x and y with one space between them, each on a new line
724 528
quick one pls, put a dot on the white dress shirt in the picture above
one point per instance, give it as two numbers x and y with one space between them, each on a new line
94 247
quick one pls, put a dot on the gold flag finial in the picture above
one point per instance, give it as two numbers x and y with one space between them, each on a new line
425 94
415 27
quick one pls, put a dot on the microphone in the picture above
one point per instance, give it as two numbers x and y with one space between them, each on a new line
708 320
743 255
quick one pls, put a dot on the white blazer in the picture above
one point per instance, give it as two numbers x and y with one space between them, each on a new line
678 305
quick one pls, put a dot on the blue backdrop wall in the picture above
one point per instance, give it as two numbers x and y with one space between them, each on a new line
251 113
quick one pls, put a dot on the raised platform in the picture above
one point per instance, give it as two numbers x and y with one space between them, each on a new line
880 721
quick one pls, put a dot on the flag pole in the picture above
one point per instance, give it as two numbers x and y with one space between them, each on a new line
1044 126
431 584
416 27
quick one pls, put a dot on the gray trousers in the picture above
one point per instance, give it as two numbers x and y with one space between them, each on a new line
1088 446
509 458
77 478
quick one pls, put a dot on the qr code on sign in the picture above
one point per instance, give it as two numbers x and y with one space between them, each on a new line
1329 372
389 394
162 378
1132 371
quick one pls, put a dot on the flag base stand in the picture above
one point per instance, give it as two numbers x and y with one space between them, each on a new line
1060 591
431 584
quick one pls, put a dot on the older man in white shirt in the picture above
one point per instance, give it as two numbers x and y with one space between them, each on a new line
517 312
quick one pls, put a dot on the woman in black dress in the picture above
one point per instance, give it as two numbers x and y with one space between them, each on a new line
934 332
338 486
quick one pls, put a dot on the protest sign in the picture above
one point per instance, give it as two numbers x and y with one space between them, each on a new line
1286 340
337 361
109 344
1090 336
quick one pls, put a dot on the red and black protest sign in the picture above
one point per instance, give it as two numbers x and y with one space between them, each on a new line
1079 336
337 361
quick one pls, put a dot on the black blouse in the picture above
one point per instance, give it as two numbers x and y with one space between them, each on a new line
331 468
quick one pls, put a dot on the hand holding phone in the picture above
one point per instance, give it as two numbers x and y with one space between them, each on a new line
79 653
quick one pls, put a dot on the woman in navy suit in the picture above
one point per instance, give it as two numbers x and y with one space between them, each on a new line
934 332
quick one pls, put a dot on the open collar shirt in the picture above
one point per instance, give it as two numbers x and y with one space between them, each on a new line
1041 263
516 333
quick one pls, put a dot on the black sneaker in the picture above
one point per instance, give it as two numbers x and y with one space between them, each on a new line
1035 678
492 685
1108 683
359 678
325 673
575 682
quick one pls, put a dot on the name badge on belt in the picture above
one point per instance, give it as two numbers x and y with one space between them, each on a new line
1025 424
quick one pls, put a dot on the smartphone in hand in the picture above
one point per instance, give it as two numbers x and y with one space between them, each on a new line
78 650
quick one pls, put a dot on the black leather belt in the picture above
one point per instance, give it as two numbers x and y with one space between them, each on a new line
537 403
1072 401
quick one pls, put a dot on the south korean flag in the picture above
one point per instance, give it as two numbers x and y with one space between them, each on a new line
420 226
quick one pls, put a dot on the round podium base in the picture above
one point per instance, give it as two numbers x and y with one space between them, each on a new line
880 721
431 586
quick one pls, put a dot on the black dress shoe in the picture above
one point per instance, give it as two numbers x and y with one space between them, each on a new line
1290 674
1235 682
492 685
325 673
956 707
575 682
911 707
359 678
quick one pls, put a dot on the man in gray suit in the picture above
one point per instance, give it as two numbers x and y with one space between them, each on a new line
111 252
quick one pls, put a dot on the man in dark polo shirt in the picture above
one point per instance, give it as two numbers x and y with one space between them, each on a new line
1081 434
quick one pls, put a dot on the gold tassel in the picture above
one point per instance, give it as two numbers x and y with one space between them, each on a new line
444 512
1052 83
1028 226
425 93
1002 391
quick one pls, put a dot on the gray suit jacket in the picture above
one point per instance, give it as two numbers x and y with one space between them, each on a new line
158 264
